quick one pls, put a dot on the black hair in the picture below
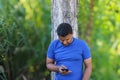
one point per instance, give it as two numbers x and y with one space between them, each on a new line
64 29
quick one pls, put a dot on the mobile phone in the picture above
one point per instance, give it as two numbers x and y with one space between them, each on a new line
64 69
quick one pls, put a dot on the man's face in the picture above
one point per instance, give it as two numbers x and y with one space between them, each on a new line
66 40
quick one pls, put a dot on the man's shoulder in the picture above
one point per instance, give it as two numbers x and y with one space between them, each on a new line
54 42
80 40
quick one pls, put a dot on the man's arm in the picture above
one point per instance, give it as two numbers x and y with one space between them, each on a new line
51 66
88 69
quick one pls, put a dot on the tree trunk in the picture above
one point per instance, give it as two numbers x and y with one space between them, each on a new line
9 63
64 11
90 23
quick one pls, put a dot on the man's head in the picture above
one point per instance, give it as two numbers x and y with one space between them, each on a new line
64 29
65 33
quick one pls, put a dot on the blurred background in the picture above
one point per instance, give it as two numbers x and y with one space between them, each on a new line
25 33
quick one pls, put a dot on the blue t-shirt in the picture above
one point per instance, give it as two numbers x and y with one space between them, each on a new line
71 56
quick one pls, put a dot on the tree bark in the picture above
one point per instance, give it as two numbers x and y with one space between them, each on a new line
9 63
64 11
90 23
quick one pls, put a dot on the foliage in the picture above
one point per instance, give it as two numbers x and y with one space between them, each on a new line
25 35
23 38
104 39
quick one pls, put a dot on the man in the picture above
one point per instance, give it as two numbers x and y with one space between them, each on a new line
67 54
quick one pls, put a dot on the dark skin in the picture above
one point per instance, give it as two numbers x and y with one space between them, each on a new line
51 66
50 63
88 69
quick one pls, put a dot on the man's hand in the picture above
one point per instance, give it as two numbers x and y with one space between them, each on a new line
63 70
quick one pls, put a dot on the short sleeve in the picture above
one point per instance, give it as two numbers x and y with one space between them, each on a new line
51 48
86 51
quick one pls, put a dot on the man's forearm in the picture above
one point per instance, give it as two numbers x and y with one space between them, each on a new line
53 67
87 73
